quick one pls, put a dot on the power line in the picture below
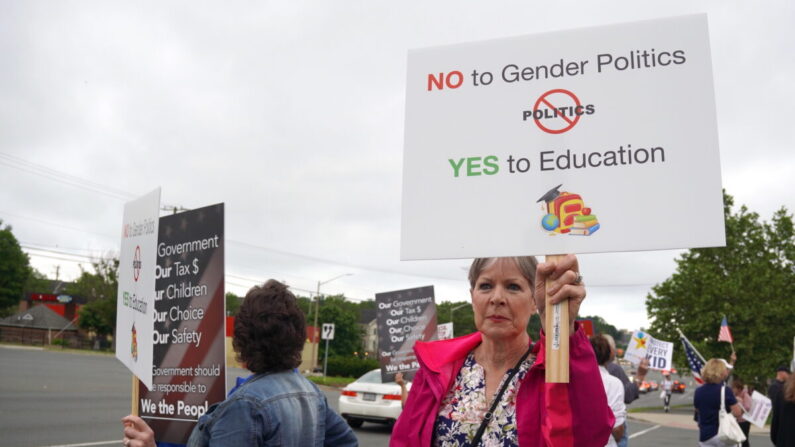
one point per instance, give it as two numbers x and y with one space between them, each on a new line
62 177
39 255
47 222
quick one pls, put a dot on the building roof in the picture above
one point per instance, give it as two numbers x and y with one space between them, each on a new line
39 317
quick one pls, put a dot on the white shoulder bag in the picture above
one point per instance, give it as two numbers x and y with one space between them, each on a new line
729 430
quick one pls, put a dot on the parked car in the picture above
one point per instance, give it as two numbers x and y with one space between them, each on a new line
678 387
644 387
368 399
653 386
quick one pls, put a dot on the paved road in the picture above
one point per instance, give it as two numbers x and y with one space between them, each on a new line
50 398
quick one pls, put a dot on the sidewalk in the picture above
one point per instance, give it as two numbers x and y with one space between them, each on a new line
682 420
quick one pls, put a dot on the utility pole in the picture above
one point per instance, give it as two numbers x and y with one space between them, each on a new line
317 309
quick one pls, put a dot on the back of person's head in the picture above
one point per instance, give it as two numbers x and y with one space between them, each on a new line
713 371
601 348
789 388
612 342
270 329
737 384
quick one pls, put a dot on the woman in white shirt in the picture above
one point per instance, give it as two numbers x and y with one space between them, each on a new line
613 388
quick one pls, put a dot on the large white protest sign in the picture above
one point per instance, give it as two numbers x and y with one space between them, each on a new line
760 408
590 140
643 345
135 306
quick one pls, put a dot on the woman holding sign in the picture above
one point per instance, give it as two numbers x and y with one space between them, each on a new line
276 405
707 400
488 387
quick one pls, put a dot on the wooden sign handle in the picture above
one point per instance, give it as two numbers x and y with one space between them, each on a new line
134 394
556 323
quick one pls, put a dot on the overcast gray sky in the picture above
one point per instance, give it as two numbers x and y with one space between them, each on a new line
292 114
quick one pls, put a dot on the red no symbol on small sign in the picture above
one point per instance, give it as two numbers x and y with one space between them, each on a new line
552 111
137 263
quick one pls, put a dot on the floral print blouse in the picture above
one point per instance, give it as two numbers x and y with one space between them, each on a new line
463 408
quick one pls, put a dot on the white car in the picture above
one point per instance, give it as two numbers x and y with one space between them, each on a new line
368 399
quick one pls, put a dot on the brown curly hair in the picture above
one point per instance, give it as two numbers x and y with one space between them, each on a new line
270 329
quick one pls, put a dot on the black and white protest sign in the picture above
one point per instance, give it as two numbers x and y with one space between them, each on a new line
404 317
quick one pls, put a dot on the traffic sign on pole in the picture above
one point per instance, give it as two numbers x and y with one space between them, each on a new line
328 331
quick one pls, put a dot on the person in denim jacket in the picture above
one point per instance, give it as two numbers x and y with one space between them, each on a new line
276 406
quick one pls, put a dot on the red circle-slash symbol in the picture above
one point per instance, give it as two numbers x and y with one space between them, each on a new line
560 96
137 263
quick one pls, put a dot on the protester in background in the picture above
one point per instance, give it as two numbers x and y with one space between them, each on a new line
666 388
276 405
745 401
403 393
782 429
613 388
707 402
729 365
631 388
782 373
459 378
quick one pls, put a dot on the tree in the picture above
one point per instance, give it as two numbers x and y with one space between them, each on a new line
100 289
233 303
14 271
601 326
347 333
463 317
37 282
751 281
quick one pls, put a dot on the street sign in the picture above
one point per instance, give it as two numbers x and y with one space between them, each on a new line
328 331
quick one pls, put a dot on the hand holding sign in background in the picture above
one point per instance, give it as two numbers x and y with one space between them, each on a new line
760 409
658 352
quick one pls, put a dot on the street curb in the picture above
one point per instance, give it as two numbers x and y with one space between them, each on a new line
682 421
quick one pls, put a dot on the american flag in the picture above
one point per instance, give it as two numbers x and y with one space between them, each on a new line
725 334
694 359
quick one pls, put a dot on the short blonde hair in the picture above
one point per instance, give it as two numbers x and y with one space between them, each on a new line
713 371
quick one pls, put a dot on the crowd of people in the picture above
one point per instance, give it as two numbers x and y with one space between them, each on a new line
486 388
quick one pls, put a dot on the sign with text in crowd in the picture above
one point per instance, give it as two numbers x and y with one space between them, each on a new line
189 337
642 345
760 409
135 301
403 318
444 331
598 139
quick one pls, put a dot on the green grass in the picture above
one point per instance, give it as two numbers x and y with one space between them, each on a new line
331 381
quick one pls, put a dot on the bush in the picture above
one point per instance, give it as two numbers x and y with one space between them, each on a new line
349 366
60 342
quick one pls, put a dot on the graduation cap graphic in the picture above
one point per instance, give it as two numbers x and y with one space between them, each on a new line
550 195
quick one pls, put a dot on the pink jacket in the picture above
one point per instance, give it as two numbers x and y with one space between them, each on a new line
440 361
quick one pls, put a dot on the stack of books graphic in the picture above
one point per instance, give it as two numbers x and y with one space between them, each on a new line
584 225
